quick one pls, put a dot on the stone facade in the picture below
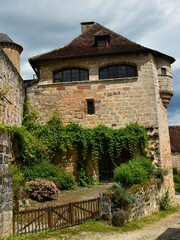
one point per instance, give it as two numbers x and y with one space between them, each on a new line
11 92
11 111
6 194
117 102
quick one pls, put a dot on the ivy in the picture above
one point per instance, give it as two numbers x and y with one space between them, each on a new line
34 143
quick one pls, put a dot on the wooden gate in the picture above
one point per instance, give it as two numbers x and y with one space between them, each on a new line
55 217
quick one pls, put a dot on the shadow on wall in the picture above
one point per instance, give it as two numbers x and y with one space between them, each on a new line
170 234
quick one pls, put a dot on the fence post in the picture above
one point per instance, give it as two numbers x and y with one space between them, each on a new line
71 213
50 225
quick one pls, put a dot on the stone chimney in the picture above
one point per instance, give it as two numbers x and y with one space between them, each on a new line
12 50
85 26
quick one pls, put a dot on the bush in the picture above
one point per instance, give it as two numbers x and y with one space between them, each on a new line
119 218
135 171
121 198
165 201
49 171
42 189
84 180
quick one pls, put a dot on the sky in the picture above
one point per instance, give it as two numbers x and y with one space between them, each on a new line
40 26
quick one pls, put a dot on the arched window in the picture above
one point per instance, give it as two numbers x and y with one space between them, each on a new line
117 71
71 75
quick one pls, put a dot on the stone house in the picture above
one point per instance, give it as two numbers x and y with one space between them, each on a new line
174 133
101 77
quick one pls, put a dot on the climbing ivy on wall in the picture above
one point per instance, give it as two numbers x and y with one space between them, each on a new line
34 142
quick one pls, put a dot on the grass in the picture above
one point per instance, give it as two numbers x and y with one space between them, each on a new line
95 226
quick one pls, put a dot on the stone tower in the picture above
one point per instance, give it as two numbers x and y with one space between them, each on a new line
12 50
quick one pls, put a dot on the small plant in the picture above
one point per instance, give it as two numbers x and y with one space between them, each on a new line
119 218
17 183
165 201
42 189
121 198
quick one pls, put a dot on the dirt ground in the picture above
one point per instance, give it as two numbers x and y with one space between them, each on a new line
77 194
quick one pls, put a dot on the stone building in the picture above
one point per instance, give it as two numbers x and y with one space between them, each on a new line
101 77
11 110
174 133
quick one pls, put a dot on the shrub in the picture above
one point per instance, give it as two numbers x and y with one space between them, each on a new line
49 171
135 171
165 201
65 181
42 189
121 198
119 218
84 180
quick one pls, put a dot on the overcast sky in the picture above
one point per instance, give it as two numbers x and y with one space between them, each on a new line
43 25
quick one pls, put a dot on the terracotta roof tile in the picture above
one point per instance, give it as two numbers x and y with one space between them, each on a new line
174 134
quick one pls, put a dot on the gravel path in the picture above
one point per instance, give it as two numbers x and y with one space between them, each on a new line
166 229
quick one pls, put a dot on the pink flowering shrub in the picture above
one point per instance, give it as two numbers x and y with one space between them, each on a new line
42 189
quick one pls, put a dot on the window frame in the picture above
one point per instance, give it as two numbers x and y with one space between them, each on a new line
71 74
117 71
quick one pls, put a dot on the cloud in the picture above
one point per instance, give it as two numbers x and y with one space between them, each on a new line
174 117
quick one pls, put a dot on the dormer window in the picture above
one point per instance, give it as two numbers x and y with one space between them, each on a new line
102 39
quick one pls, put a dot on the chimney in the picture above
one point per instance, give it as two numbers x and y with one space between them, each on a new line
85 26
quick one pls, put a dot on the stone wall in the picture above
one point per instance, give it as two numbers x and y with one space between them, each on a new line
146 201
6 194
117 102
11 110
11 92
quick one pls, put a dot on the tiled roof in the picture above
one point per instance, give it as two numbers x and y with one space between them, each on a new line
174 134
5 38
84 45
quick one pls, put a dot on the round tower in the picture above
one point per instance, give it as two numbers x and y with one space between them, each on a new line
12 50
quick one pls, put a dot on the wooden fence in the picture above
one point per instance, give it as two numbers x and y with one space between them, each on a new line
55 217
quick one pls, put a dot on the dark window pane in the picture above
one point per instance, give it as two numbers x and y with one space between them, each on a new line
72 74
90 107
117 71
163 71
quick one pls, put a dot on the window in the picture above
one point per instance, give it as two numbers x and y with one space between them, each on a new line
117 71
90 106
102 41
163 71
71 75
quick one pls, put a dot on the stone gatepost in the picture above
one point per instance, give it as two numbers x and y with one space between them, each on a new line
6 194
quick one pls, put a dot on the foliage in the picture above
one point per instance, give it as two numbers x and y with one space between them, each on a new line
136 171
52 172
17 183
119 218
83 179
176 175
165 201
34 143
121 198
27 149
42 189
